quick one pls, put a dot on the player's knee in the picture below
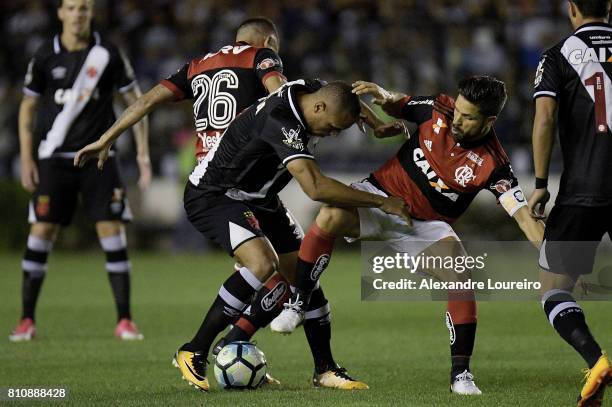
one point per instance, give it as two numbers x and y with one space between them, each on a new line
333 220
263 266
109 228
45 231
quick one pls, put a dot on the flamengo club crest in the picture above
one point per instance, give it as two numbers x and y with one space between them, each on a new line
463 175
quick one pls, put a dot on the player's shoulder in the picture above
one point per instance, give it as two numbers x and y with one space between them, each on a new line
103 41
493 149
555 49
47 48
444 104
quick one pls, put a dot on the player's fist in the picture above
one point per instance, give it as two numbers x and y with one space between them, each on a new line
381 96
396 206
394 128
537 202
29 174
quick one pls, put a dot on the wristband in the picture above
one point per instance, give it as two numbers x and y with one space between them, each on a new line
541 183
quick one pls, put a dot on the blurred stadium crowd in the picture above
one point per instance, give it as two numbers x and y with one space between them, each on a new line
416 46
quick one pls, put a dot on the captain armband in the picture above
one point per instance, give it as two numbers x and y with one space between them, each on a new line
513 200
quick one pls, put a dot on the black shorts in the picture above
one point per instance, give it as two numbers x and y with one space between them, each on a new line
571 238
230 223
61 183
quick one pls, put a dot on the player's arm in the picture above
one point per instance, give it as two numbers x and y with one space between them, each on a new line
543 140
321 188
134 113
29 171
273 82
141 137
532 228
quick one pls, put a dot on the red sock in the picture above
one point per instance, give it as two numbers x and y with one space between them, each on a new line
313 258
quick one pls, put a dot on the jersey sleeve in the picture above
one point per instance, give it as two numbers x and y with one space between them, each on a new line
34 82
179 84
288 139
505 186
267 63
548 79
125 80
415 109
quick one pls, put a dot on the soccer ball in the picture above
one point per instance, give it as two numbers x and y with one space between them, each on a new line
240 365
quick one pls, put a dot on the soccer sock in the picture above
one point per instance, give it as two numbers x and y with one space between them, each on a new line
232 299
317 327
313 258
566 316
34 265
461 323
266 305
118 268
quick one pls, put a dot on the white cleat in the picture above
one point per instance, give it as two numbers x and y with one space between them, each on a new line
290 318
464 385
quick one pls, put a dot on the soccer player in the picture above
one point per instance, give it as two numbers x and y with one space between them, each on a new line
69 87
437 172
241 73
232 197
573 78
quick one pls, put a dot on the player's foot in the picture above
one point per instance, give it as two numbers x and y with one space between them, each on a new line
290 318
192 366
337 378
25 331
464 384
596 380
128 331
268 378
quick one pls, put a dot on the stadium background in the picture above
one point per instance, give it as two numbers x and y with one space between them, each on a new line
415 46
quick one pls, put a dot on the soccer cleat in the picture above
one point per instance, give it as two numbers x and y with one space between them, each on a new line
290 318
337 378
596 380
126 330
464 385
193 367
25 331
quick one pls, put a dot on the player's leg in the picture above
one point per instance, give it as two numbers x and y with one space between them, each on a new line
105 202
111 235
570 241
461 318
52 204
313 258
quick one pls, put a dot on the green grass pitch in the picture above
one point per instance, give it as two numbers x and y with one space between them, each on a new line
399 348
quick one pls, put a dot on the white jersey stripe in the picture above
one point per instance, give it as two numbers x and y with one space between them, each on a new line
200 169
587 70
84 85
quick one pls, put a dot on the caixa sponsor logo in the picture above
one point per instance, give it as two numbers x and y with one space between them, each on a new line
319 266
271 299
63 96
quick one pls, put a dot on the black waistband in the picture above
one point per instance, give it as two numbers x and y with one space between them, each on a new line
372 180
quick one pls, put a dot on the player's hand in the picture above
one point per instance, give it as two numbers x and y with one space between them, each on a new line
537 202
144 168
394 128
396 206
96 149
29 174
381 96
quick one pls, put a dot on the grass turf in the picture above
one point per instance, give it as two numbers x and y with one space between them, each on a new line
399 348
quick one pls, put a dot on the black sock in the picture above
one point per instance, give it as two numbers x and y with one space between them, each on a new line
462 338
120 284
566 316
317 327
233 297
118 267
266 305
34 265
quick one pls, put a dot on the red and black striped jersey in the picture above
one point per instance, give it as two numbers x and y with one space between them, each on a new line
222 84
437 177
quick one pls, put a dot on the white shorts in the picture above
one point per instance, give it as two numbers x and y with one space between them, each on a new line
378 225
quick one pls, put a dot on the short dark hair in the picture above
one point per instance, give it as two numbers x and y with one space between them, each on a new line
262 25
486 92
342 95
593 8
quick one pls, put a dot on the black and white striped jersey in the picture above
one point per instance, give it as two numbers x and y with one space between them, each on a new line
76 93
577 72
249 162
